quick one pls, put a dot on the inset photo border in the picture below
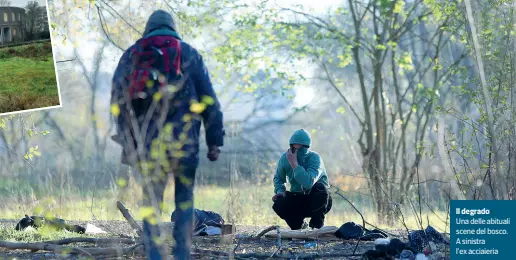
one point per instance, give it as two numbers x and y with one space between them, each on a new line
28 74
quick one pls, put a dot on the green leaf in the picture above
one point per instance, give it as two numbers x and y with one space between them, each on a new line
398 7
121 182
341 110
207 100
381 47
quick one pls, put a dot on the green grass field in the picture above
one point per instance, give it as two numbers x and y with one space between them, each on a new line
27 78
245 205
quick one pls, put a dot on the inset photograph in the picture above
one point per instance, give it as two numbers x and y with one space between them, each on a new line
28 79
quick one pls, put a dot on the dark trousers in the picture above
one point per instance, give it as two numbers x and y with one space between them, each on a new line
295 207
153 192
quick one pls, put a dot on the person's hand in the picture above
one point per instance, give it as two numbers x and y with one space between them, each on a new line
292 158
275 197
213 153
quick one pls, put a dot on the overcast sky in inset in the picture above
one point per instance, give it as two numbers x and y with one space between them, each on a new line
23 3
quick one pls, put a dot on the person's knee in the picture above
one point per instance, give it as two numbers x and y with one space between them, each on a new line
329 205
320 203
184 184
279 206
319 188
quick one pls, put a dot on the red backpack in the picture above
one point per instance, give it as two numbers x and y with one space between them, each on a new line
156 63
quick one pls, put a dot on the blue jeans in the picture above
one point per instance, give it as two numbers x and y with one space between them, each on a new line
153 192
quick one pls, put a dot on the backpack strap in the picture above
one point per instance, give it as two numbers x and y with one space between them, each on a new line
163 44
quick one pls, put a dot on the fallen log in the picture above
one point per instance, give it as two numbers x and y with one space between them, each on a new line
326 231
111 251
91 240
57 246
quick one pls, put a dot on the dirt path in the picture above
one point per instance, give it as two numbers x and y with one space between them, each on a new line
265 246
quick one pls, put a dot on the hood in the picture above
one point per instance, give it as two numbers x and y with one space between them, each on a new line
159 20
302 137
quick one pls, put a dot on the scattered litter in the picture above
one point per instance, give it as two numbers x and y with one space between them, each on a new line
92 229
382 241
393 247
421 257
387 248
436 256
418 247
213 231
407 255
420 239
310 245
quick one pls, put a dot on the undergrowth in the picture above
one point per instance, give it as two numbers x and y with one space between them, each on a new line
254 203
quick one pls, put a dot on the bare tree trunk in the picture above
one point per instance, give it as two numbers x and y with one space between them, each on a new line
501 192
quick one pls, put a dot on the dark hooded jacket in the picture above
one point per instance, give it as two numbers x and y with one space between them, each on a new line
184 122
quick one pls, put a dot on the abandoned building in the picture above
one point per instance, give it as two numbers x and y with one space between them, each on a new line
12 23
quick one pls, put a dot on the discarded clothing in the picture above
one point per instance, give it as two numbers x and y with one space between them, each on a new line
56 223
373 234
394 247
419 239
351 230
386 248
207 223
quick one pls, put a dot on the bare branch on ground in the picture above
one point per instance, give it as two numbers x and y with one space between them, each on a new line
129 218
111 251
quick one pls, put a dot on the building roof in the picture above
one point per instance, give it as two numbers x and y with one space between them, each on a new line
12 7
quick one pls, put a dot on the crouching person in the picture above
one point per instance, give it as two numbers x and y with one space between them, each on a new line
309 195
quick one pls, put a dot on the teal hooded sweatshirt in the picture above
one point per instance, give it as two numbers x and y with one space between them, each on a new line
310 168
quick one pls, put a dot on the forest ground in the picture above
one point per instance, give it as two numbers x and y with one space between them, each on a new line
248 206
121 228
27 77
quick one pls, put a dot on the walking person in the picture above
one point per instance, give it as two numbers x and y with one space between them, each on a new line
161 93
